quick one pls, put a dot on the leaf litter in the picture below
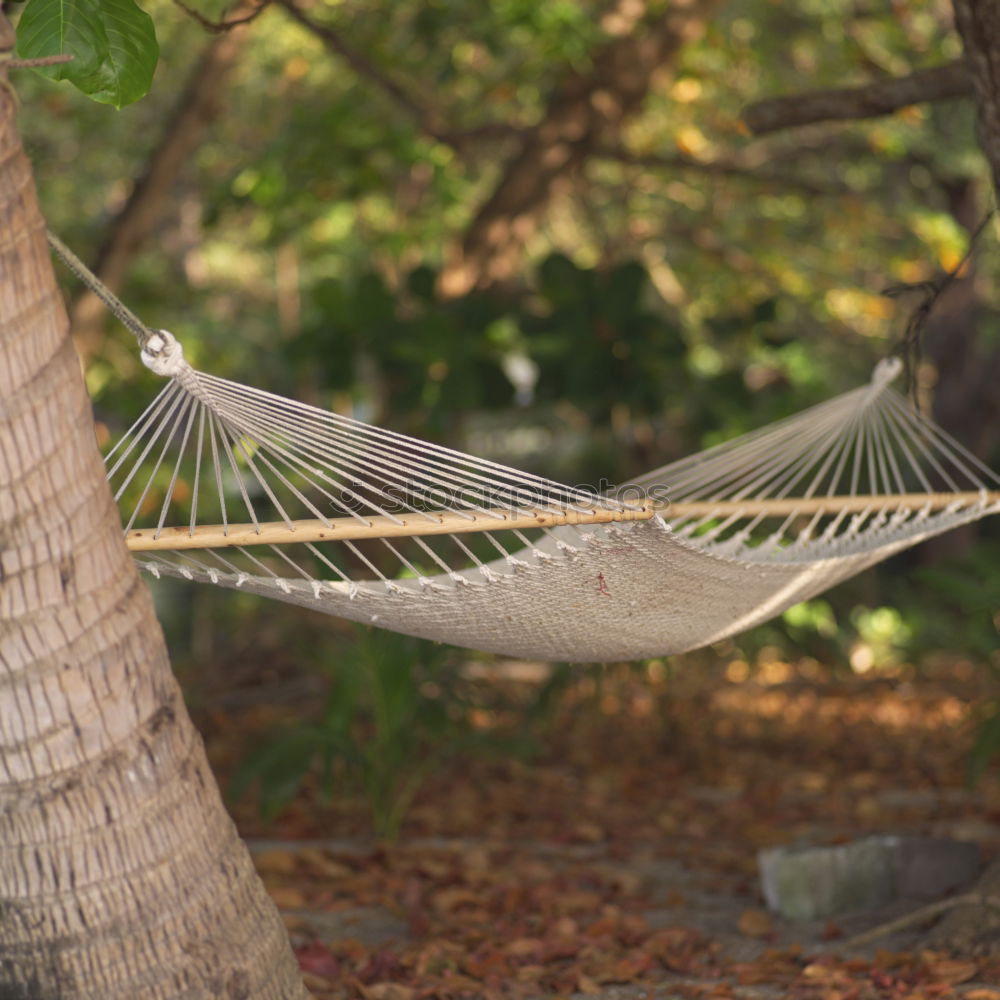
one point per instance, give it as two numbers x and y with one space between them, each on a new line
621 860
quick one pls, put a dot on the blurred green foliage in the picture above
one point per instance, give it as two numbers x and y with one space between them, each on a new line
311 167
378 729
396 708
898 616
695 285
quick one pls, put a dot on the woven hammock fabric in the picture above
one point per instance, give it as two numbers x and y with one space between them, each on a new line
751 528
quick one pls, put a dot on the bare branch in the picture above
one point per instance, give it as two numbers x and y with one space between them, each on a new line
429 121
426 119
582 114
722 168
879 98
920 916
484 132
62 57
223 25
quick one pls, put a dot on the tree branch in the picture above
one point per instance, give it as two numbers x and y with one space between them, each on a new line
879 98
978 22
225 24
920 916
427 120
721 168
582 114
62 57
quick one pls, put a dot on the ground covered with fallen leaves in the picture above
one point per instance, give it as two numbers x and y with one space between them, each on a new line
620 860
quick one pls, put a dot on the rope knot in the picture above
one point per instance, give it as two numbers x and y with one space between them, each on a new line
163 354
885 372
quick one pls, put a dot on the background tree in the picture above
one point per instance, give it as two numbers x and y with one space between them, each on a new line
967 363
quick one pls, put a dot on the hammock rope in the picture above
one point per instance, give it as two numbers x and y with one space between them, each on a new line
227 484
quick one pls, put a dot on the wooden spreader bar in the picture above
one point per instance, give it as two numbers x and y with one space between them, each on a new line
814 505
216 536
342 529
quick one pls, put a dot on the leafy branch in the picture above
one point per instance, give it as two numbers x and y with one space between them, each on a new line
106 48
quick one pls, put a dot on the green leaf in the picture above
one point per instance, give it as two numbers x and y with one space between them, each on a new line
54 27
278 767
134 51
987 745
113 44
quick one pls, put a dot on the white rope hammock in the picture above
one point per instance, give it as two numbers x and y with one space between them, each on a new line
226 484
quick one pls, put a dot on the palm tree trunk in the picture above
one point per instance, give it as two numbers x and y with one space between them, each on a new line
121 876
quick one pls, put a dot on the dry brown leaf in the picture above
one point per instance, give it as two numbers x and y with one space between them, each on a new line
576 902
559 948
275 862
435 867
477 858
633 966
831 931
529 973
886 959
668 822
350 948
287 897
484 964
952 970
320 861
605 927
588 831
565 927
623 879
756 923
524 947
454 897
315 984
823 971
386 991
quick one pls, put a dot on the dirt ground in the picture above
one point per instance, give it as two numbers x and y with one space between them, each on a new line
621 861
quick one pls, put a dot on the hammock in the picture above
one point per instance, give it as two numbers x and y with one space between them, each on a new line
291 502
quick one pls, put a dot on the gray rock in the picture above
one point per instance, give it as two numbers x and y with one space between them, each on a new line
928 867
812 883
809 883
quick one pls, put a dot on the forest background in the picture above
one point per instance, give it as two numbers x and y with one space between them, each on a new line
543 234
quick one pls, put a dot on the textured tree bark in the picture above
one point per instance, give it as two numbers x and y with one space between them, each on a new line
977 929
584 114
970 369
121 876
978 22
195 110
966 401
